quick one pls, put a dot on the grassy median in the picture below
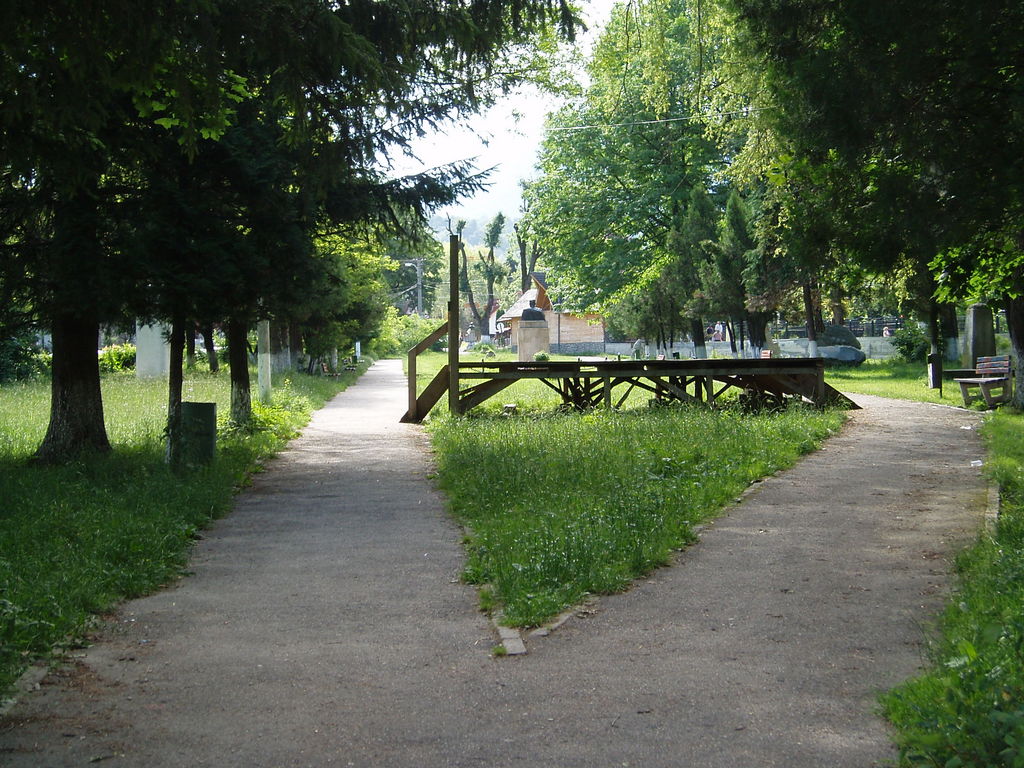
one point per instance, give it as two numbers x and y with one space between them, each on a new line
559 505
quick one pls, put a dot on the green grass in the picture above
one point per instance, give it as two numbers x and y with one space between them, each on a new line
968 708
561 505
893 378
75 539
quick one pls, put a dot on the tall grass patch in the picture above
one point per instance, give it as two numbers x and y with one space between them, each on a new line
77 538
968 708
562 505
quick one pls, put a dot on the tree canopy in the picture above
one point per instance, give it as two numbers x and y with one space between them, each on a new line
182 157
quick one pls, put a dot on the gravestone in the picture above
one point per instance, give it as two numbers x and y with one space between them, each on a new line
979 334
152 351
198 434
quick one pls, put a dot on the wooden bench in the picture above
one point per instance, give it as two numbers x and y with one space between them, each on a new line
327 371
993 373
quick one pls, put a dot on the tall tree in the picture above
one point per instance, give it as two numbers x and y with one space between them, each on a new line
917 106
351 80
529 252
617 168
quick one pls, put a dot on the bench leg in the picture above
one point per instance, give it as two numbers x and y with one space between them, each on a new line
965 390
993 400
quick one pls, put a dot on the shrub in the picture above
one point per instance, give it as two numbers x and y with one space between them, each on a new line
541 357
912 343
117 358
20 358
399 333
487 350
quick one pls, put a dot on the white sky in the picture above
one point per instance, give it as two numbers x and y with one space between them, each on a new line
500 141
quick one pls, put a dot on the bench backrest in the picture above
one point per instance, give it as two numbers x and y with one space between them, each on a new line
993 365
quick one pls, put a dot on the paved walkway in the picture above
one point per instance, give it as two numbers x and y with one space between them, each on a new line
325 624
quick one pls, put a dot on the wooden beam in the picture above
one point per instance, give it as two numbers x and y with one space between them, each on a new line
482 391
428 399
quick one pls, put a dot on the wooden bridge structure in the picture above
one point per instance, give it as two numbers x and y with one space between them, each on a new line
592 384
589 383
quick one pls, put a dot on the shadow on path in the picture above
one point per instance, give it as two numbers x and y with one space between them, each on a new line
325 625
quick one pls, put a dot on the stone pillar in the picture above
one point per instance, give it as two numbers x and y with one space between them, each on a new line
152 351
979 334
532 337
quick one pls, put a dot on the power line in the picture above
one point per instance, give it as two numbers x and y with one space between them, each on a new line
655 122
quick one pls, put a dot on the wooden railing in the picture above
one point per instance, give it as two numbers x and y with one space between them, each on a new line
417 410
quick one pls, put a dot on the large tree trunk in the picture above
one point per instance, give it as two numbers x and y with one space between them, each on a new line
174 386
758 324
950 331
527 261
1015 324
211 350
238 361
697 334
478 319
836 306
934 342
76 404
281 350
190 347
295 341
810 318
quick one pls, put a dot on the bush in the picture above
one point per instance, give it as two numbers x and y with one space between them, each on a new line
20 358
487 350
541 357
399 333
912 343
117 358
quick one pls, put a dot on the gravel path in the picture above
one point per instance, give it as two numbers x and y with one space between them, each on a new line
324 623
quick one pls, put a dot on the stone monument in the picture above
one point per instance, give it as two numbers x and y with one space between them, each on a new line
979 334
532 335
152 351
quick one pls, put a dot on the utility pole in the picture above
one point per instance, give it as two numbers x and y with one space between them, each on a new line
418 263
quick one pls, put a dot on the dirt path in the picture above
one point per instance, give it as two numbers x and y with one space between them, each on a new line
324 623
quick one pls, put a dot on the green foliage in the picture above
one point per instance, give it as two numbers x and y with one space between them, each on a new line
618 165
650 476
117 358
177 165
912 343
541 356
21 359
863 98
75 539
968 708
400 333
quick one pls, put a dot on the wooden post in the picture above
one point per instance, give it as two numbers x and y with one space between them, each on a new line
453 325
413 413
